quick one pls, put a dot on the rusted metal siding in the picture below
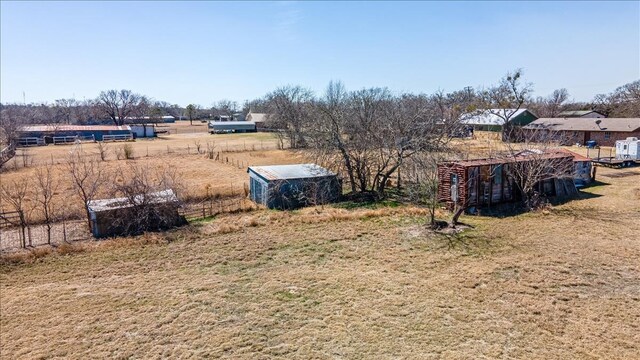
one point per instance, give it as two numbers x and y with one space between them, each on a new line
445 171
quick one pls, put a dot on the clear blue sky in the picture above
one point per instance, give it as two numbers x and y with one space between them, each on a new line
201 52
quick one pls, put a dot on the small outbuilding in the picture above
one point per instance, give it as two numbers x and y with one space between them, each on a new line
293 186
493 119
60 134
583 173
223 127
125 216
485 182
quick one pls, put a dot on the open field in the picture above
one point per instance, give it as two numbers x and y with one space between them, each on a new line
335 283
225 175
163 145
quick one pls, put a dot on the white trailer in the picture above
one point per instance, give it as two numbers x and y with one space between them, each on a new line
627 154
628 149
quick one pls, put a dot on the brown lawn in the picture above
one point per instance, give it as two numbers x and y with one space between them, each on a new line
354 284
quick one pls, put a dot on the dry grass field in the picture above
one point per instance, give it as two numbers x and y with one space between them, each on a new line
335 283
200 175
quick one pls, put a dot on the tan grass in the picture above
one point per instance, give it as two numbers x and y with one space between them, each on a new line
202 177
320 283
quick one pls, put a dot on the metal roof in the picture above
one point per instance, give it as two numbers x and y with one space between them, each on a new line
244 124
289 172
489 117
576 157
159 197
506 159
56 128
576 113
586 124
257 117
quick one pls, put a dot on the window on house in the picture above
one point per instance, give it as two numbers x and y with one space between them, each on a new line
575 134
607 135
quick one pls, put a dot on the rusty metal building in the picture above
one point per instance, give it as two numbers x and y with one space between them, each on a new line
486 182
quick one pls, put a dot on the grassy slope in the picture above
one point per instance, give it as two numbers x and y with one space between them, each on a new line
563 284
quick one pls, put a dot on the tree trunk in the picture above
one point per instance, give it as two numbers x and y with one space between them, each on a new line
456 215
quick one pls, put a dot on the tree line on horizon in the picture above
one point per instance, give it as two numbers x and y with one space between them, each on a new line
121 106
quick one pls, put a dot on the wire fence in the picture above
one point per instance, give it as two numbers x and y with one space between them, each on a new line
215 150
16 234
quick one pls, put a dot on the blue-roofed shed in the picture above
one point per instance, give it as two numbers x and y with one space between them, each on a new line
293 186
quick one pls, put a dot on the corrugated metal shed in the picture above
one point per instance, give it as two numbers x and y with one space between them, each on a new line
61 128
290 172
489 117
293 186
159 197
232 125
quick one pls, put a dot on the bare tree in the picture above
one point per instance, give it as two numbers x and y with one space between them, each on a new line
622 102
369 134
88 178
46 185
14 197
289 110
552 105
422 181
225 108
531 164
64 110
506 98
119 105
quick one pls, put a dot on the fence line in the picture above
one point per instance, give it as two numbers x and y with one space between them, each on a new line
13 236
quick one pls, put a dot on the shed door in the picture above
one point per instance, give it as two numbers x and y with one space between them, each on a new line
257 191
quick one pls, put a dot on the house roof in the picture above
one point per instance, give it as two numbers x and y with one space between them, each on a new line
289 172
159 197
56 128
586 124
576 113
257 117
489 117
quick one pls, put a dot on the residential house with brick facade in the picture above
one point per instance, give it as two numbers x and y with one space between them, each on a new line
568 131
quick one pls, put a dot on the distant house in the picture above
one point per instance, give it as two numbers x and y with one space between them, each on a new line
223 127
59 134
493 119
567 131
581 114
258 118
293 186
